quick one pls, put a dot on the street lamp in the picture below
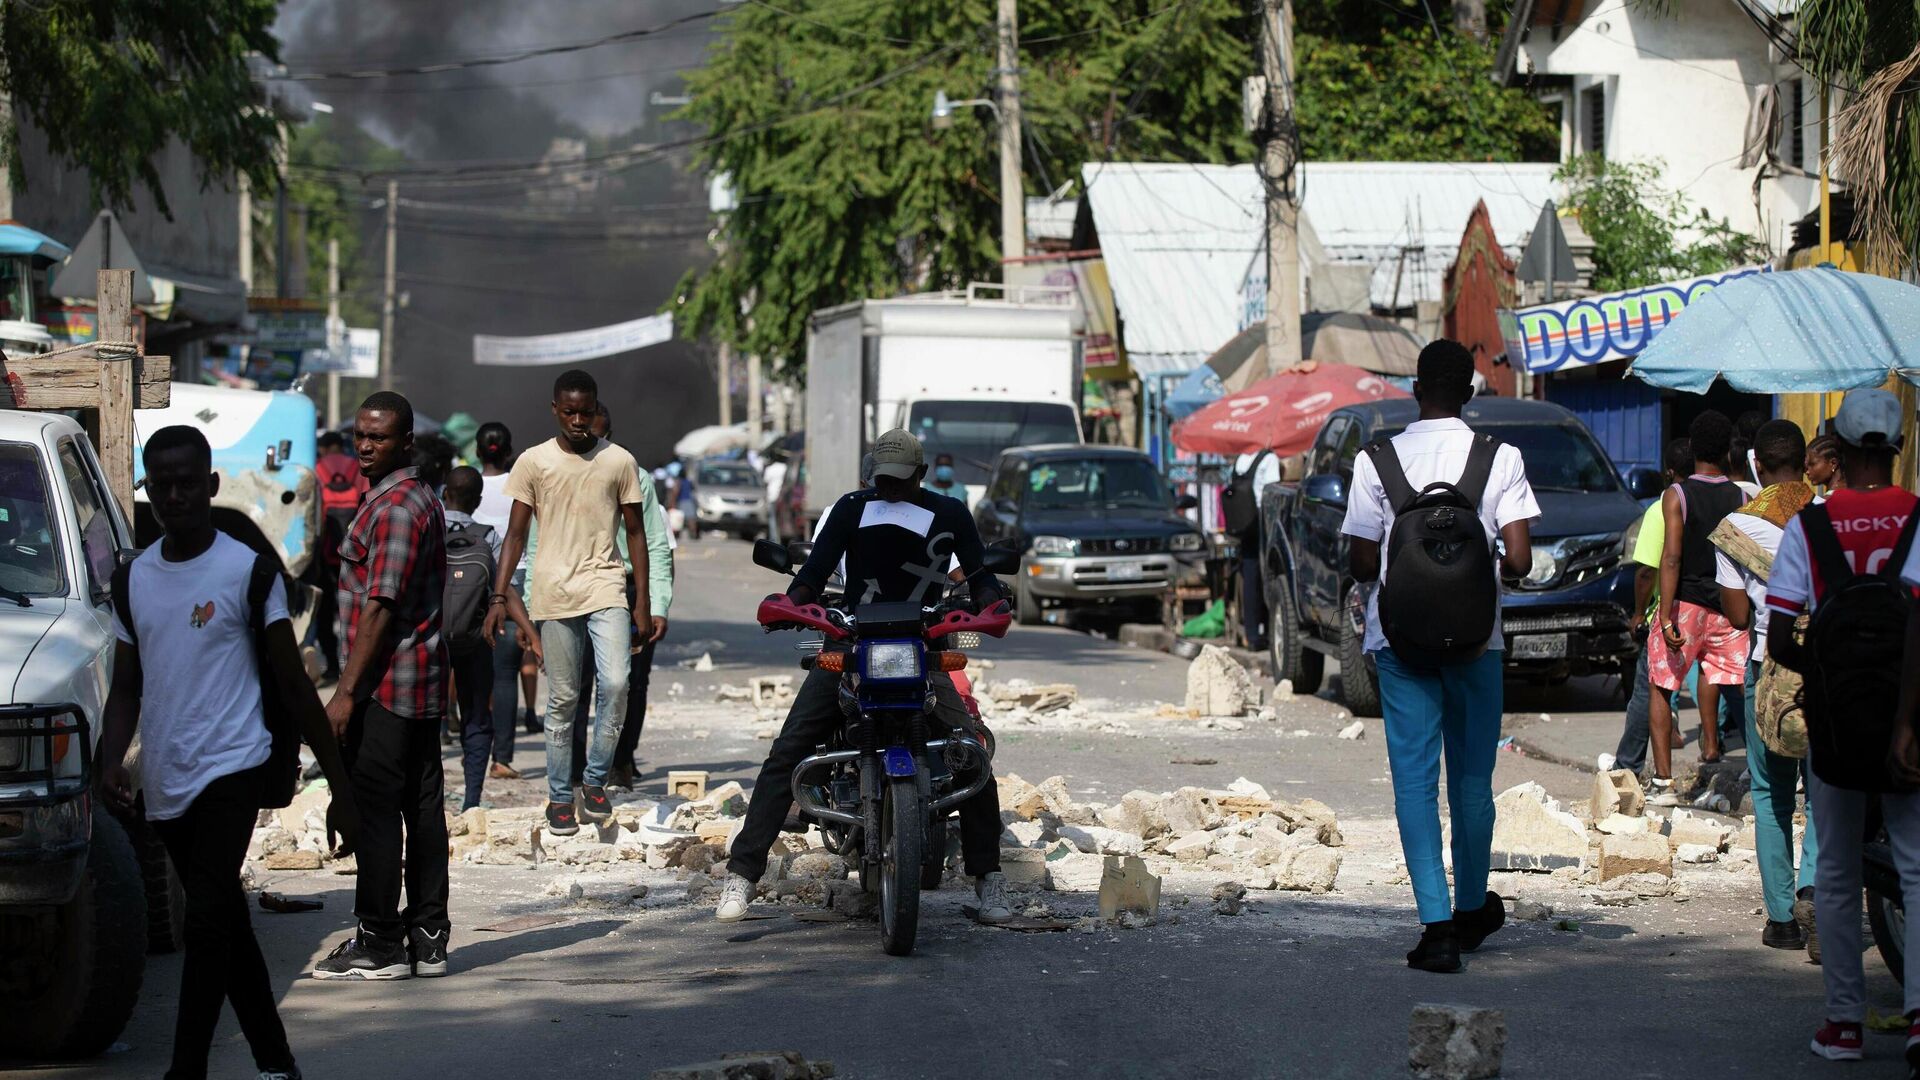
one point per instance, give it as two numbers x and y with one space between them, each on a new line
1013 226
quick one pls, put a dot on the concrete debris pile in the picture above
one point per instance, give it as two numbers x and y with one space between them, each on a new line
767 693
1053 841
1532 832
1218 686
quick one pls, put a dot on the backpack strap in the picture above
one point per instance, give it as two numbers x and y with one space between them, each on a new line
1473 481
119 588
1823 544
1393 478
259 587
1898 561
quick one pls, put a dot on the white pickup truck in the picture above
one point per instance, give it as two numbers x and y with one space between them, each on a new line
83 894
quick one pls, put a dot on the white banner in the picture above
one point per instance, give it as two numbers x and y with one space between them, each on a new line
351 351
573 346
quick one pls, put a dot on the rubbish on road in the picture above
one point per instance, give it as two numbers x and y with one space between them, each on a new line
1532 832
1531 911
284 905
1283 690
689 784
1127 885
771 691
1895 1024
1617 792
1624 855
1218 686
1456 1042
1193 761
1023 923
521 922
1568 925
1353 731
750 1065
731 692
1229 898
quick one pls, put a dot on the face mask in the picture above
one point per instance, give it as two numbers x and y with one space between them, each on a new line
944 474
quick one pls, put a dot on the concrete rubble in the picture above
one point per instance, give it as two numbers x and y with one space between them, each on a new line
1624 855
1616 792
1456 1042
1218 686
1532 832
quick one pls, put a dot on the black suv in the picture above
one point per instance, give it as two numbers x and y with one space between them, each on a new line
1094 524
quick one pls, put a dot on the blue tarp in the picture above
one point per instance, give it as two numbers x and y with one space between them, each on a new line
20 240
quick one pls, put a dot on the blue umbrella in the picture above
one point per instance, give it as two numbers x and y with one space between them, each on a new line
1803 331
1199 389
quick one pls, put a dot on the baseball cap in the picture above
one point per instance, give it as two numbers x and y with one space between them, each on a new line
898 454
1869 418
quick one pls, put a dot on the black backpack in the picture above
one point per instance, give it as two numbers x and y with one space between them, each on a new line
281 772
1241 499
1851 692
1438 594
470 570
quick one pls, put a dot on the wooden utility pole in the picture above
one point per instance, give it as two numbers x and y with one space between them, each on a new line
333 320
755 406
117 441
1277 165
1013 196
725 377
387 304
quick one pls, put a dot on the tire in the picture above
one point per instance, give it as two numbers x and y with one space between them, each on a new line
1291 658
1359 686
98 952
1889 922
1026 608
933 867
903 837
166 897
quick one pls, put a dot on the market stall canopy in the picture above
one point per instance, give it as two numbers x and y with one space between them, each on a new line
713 439
1281 414
162 292
16 239
1367 342
1800 331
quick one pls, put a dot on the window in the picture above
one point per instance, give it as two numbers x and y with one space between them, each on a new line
1096 484
728 474
30 562
1593 120
1003 486
1795 93
1348 449
1323 451
1559 457
96 525
975 432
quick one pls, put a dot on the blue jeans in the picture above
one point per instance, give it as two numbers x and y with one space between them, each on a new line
507 656
472 671
609 632
1775 780
1457 707
1631 753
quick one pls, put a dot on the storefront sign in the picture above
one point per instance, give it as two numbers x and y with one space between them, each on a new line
571 347
1597 329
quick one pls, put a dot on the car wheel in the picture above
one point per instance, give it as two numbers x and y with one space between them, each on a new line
1286 646
1359 685
1026 607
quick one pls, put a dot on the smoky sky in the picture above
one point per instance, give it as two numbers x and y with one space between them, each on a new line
569 250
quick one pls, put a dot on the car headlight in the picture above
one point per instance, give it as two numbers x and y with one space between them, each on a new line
1578 555
1055 545
893 660
1545 567
1187 541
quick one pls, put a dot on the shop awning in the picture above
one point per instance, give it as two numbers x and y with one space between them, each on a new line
160 291
1597 329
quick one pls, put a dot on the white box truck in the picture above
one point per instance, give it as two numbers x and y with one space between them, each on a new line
971 373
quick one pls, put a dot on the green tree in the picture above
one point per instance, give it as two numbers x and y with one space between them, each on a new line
110 82
1638 228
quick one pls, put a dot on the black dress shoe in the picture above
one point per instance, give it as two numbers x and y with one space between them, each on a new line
1439 949
1474 927
1784 935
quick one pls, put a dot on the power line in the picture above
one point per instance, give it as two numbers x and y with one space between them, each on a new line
500 58
350 91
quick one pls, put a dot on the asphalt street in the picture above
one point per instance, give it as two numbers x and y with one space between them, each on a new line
1301 986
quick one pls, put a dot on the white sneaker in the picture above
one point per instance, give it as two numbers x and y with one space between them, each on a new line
1606 762
992 891
735 895
1660 792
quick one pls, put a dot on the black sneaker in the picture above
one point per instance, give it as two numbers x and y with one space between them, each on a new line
1783 935
1439 949
560 819
531 722
594 804
363 957
429 952
1476 926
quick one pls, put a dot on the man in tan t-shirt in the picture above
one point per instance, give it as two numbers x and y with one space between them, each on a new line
576 589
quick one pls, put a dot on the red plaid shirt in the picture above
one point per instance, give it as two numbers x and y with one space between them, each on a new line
395 551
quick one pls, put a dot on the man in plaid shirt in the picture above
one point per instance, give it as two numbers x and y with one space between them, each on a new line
391 700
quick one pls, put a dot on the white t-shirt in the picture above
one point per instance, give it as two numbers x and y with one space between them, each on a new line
200 714
496 509
1732 575
1267 473
1435 451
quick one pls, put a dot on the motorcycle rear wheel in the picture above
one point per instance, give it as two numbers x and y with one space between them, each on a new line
903 835
1888 918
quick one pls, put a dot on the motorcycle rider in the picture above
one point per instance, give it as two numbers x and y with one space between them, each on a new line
898 540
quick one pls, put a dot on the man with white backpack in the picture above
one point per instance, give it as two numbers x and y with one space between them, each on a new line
1424 510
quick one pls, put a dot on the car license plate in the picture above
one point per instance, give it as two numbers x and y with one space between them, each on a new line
1540 647
1125 571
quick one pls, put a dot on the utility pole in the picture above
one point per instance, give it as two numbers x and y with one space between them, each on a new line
1013 197
333 320
755 407
1277 164
387 303
726 384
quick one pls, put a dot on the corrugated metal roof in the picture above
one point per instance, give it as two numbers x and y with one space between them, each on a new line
1184 243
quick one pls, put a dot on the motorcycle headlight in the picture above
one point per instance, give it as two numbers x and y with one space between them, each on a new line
1186 541
893 660
1055 545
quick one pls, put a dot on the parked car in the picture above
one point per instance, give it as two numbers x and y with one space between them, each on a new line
1096 525
729 497
1567 617
74 881
789 509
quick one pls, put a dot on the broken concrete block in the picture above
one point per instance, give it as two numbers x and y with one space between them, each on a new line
1069 870
689 784
474 821
1622 825
752 1065
1060 802
1617 792
1137 812
1028 833
1455 1042
271 840
1229 898
1313 816
1243 786
1353 731
1684 827
1623 855
1244 807
1217 685
1312 869
1696 854
1192 847
1024 866
1531 832
1021 797
717 832
1100 840
1189 809
293 860
698 858
1127 885
851 899
817 865
312 798
1531 911
727 800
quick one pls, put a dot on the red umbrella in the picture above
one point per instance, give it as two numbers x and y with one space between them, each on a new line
1281 413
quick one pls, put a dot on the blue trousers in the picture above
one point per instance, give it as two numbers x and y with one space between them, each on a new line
1455 708
1775 780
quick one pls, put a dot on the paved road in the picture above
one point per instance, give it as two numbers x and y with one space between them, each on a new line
1301 986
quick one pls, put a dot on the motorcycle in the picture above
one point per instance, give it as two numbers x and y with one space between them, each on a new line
882 787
